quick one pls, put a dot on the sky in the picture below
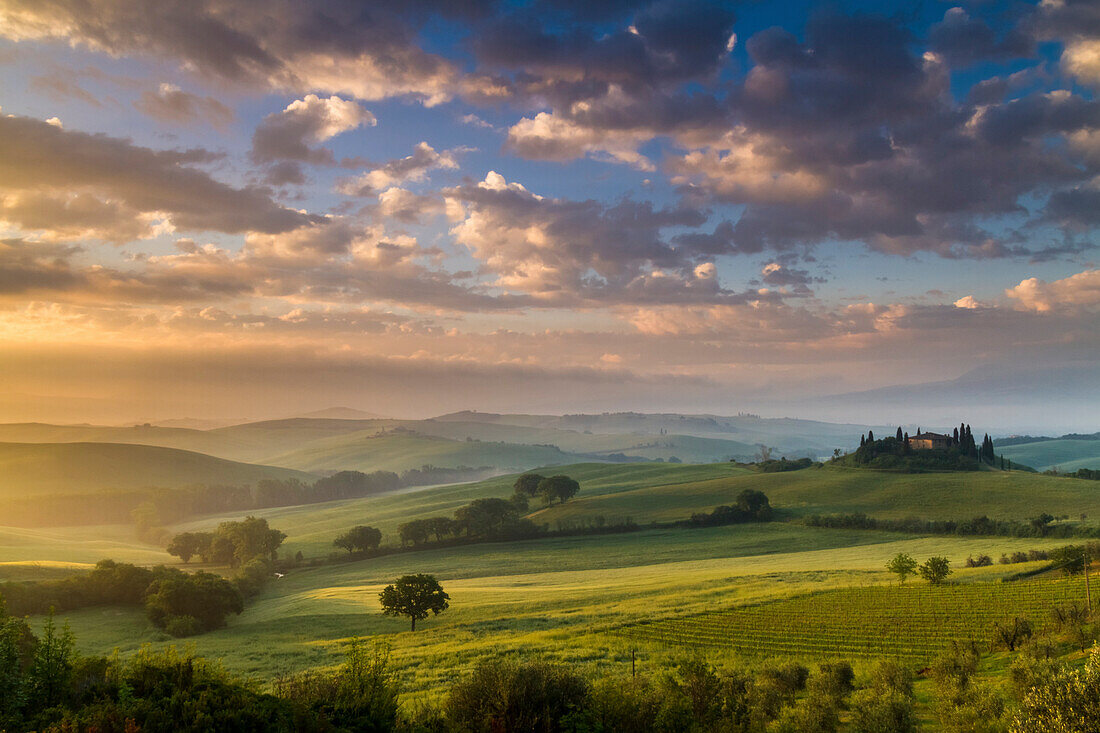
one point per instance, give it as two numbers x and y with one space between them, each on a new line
247 208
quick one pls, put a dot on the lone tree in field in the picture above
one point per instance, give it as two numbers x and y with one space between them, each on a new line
902 565
935 570
359 539
414 596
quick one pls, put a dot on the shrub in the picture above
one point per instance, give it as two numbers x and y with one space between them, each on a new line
516 696
882 710
206 597
181 626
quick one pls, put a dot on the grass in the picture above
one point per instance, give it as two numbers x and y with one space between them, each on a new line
831 490
37 469
401 451
75 546
312 527
562 599
1067 455
915 622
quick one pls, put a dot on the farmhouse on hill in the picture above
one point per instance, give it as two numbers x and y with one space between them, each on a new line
926 441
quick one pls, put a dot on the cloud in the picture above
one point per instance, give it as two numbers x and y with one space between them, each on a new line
290 135
567 252
414 167
1080 291
169 103
963 40
333 46
406 206
45 166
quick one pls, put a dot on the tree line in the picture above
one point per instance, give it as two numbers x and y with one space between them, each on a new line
1037 526
180 603
897 452
492 518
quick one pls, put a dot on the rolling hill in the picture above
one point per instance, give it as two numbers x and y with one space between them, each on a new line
1064 454
28 469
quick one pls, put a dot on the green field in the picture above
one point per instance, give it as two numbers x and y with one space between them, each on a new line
28 469
565 599
915 622
1065 455
829 490
592 600
311 528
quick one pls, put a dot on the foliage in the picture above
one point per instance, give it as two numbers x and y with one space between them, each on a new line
516 696
414 596
902 565
896 453
183 603
983 526
528 484
752 506
359 539
774 466
558 487
232 543
361 695
1068 700
935 569
1010 634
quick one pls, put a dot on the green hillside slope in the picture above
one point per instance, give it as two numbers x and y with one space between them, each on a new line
28 469
828 490
399 451
1066 455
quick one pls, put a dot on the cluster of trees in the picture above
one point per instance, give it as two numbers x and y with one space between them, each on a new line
492 518
896 452
778 466
1037 526
1090 474
935 569
481 519
751 506
232 543
360 538
180 603
560 487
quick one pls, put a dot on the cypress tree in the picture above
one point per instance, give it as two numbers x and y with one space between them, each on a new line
862 440
870 436
955 439
899 434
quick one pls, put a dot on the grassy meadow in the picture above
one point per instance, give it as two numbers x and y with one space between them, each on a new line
1065 455
587 600
567 599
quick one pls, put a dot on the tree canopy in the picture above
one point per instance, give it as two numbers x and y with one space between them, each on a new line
359 539
414 596
559 487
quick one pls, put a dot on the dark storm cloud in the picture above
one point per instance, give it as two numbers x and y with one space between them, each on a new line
964 40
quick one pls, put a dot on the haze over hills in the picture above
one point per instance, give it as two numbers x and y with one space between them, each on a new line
27 469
